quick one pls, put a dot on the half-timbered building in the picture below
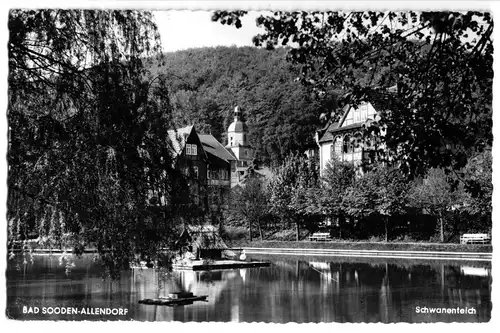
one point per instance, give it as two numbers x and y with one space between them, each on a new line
344 139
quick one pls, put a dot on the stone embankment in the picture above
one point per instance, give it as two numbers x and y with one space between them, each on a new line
372 250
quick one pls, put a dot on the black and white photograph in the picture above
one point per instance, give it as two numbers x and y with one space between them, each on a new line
255 163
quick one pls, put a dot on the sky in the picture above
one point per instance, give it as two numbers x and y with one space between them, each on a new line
181 29
184 29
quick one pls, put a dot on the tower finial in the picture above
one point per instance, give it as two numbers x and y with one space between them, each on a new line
236 113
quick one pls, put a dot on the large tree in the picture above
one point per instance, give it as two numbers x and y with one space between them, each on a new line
437 196
89 160
380 194
327 199
440 62
290 188
249 205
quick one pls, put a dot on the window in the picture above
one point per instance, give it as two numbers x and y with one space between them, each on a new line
357 141
191 149
195 170
364 112
338 146
357 114
347 144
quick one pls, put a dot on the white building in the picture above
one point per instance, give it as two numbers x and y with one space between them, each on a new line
237 143
344 139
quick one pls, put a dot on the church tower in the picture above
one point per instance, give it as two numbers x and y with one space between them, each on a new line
237 140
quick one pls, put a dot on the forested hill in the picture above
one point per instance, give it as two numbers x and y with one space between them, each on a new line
206 84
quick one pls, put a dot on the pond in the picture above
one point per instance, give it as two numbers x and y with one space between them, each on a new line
293 289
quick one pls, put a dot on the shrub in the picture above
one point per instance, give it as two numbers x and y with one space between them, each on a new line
235 233
375 239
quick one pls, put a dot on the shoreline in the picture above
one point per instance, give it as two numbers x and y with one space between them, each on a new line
417 251
412 251
371 246
415 255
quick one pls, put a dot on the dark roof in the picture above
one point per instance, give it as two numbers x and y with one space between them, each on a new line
237 126
381 100
214 147
348 127
327 136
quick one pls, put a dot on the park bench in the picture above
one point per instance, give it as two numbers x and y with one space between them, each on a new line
475 239
320 237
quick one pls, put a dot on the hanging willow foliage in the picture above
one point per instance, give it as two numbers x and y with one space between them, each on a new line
87 135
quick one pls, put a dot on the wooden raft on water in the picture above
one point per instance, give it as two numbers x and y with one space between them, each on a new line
179 298
200 265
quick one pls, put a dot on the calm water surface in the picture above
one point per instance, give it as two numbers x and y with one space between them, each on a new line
292 289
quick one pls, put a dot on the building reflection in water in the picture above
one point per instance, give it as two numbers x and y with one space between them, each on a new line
291 290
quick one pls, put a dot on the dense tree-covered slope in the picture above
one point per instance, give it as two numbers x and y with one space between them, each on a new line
206 84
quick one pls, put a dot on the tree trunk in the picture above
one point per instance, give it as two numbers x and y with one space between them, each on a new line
260 229
386 221
297 229
250 229
442 228
341 222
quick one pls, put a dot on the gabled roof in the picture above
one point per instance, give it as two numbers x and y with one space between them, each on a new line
378 100
178 138
381 100
348 127
205 237
327 136
214 147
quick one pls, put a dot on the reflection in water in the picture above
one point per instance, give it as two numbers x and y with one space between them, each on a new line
478 271
291 290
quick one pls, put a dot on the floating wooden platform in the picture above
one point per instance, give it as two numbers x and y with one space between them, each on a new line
199 265
169 301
